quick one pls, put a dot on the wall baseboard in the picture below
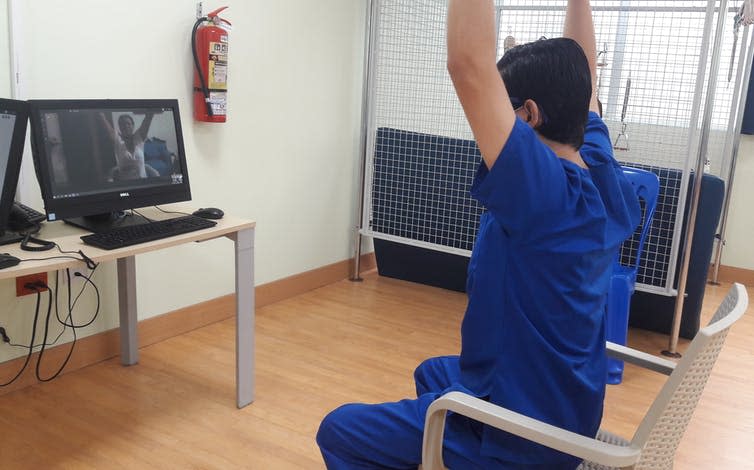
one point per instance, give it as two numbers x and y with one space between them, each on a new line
732 274
299 283
106 345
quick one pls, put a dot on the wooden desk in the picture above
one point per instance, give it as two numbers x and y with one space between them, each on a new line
239 230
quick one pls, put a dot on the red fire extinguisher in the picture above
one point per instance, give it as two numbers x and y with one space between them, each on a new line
209 44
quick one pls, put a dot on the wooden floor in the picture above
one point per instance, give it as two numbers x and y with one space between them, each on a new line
341 343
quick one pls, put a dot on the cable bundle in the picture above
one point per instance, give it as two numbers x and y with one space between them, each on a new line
66 323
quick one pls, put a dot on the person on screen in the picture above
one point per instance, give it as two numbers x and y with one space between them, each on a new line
129 147
557 209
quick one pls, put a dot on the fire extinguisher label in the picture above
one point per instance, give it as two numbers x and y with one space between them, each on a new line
218 100
218 66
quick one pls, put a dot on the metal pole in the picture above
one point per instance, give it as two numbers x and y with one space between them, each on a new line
621 34
15 38
746 56
371 11
701 157
17 55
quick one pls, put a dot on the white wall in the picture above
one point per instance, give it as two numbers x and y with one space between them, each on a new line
287 157
739 249
4 50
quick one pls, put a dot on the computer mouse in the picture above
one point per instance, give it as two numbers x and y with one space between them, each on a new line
209 213
7 261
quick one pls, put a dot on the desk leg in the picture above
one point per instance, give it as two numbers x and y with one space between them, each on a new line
244 242
129 344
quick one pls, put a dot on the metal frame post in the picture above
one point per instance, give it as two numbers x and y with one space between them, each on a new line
366 105
696 192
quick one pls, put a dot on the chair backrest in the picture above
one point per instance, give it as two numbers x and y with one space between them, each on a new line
664 424
647 187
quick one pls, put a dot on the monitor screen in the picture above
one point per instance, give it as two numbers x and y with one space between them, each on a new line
99 157
13 117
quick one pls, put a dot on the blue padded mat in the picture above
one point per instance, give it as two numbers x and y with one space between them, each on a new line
420 191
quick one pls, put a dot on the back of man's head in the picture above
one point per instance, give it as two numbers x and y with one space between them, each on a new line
555 74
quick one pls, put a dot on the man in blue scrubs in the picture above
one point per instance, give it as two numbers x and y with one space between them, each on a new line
558 207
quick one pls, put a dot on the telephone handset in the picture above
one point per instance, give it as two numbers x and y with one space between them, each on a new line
24 217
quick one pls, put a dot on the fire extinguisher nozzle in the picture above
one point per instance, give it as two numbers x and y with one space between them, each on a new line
215 13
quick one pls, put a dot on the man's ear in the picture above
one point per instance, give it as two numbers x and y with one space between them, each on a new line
533 116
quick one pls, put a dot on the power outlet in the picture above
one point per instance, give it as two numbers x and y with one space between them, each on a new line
21 282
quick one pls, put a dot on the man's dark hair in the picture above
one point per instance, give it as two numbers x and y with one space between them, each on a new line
125 117
555 74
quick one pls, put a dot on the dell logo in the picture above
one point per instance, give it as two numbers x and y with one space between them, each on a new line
124 195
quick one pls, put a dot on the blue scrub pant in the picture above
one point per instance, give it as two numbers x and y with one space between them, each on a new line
389 435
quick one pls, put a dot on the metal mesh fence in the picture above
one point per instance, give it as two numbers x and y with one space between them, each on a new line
421 157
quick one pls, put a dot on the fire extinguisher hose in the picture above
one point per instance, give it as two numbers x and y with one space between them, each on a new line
197 66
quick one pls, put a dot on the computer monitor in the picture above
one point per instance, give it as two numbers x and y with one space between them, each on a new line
13 117
95 159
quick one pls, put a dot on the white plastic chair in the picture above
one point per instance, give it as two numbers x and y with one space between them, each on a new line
656 439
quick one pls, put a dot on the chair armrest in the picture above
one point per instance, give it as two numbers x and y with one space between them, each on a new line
519 425
640 359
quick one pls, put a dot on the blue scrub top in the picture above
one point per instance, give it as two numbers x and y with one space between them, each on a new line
533 336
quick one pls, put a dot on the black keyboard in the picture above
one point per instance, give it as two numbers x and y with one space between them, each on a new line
135 234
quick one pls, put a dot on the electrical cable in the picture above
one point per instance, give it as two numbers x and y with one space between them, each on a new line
51 343
31 342
44 342
57 338
142 215
90 263
33 230
71 306
30 243
50 257
170 212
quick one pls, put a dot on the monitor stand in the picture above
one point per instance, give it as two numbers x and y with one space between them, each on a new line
6 238
104 222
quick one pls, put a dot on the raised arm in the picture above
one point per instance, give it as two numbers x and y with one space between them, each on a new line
579 26
144 127
471 64
108 127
